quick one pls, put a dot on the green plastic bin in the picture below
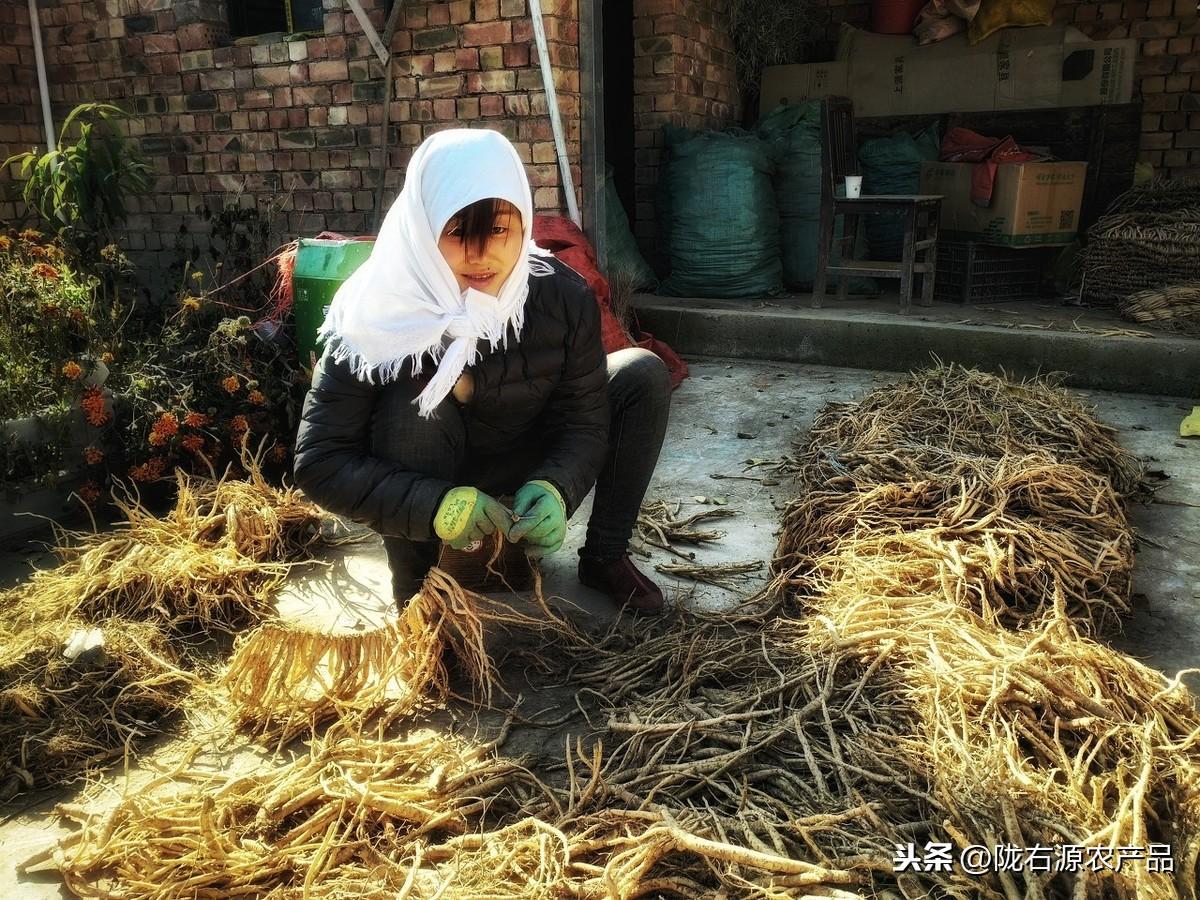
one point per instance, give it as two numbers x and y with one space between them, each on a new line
321 267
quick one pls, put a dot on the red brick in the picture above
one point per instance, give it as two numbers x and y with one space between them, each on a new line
491 58
491 105
328 70
467 107
516 56
444 62
444 109
1180 46
478 35
1155 85
491 82
487 10
442 86
460 12
1155 29
466 59
1178 83
159 43
1156 141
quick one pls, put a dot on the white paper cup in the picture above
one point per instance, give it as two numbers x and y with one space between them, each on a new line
853 186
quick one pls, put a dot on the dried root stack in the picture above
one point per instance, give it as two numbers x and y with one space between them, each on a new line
1033 737
948 422
1044 526
352 818
214 561
60 719
283 680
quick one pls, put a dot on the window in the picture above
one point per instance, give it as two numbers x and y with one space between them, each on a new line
251 17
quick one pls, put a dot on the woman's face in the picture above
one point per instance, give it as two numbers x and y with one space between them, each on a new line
484 270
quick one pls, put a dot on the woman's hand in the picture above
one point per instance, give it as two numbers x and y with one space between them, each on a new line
543 522
464 388
467 515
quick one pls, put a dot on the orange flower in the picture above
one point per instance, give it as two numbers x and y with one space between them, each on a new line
5 243
72 370
93 456
94 407
166 425
231 384
37 252
195 420
190 303
193 442
44 270
278 453
106 358
238 424
151 470
157 439
89 493
30 236
77 316
257 398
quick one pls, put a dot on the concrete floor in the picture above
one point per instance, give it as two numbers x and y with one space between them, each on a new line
770 403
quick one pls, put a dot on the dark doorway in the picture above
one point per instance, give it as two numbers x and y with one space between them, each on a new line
619 149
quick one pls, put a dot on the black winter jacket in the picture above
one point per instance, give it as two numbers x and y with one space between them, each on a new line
552 383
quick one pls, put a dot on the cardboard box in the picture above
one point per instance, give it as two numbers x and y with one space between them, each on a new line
1033 204
1016 68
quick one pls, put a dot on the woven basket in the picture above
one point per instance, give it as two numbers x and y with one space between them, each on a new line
1129 252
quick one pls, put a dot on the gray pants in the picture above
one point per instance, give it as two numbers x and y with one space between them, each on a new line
639 396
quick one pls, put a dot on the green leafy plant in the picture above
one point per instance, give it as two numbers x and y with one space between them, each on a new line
81 189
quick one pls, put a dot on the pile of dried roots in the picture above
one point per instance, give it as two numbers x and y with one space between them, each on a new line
213 561
920 675
1149 238
60 718
1175 307
949 421
283 681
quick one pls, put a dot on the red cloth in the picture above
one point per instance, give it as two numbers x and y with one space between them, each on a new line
564 239
965 145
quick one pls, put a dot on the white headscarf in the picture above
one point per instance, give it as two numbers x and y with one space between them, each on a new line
403 302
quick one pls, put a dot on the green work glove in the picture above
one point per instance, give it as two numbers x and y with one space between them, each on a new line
466 514
543 522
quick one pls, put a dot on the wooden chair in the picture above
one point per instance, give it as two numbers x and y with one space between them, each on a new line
839 158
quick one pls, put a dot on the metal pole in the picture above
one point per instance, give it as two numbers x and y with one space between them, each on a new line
591 60
560 145
43 86
389 32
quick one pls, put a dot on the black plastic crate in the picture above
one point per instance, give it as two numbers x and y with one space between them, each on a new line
970 272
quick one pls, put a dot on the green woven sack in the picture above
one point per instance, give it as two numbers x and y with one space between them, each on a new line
624 257
795 134
892 165
717 215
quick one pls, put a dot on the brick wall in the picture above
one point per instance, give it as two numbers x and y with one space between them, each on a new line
684 75
294 123
1167 76
1168 67
20 112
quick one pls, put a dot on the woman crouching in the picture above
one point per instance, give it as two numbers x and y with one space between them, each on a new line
462 364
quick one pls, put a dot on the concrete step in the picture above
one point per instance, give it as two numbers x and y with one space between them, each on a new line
1092 348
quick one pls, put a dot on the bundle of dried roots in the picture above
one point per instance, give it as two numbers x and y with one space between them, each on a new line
61 718
949 421
214 560
1042 525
